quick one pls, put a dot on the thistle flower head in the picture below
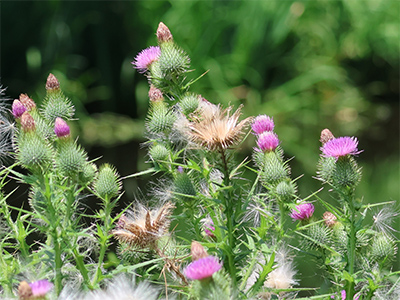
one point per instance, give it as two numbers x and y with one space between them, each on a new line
143 227
262 123
35 290
163 33
18 109
202 268
215 129
40 288
146 57
52 83
208 226
341 146
267 141
302 211
61 128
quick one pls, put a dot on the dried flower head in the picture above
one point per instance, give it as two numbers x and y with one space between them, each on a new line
341 146
18 109
27 102
24 290
283 276
302 211
146 57
202 268
163 33
61 128
267 141
143 227
52 83
262 123
326 136
215 129
385 219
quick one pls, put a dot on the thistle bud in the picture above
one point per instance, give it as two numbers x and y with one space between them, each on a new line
27 122
107 184
383 249
155 94
163 33
189 103
18 109
52 83
161 119
27 102
61 128
285 190
183 186
197 251
70 159
158 152
326 136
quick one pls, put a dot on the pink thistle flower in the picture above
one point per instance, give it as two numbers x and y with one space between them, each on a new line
343 292
208 226
61 128
302 211
262 123
18 109
146 57
202 268
40 288
268 141
341 146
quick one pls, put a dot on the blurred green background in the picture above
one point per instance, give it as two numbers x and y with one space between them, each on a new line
309 64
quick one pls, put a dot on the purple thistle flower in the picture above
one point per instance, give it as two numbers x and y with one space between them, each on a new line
61 128
268 141
202 268
18 109
146 57
209 227
302 211
341 146
343 292
40 288
262 123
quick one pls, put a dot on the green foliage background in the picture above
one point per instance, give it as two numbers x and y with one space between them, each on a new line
309 64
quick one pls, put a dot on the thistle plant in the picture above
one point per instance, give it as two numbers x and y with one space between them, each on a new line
211 232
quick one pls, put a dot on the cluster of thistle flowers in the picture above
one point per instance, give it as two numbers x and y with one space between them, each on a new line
60 175
357 256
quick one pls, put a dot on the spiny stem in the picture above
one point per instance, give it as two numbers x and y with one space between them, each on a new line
352 245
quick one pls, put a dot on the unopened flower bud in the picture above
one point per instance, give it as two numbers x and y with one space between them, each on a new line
163 33
27 102
27 122
18 109
329 218
155 94
326 136
52 83
197 251
61 128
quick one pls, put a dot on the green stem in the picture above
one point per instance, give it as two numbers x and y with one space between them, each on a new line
58 262
352 245
230 219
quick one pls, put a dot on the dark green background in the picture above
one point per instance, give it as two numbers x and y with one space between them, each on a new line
309 64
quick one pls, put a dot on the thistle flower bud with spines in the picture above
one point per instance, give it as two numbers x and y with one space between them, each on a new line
320 236
173 61
158 152
88 173
61 128
183 185
107 183
189 103
273 169
33 152
285 190
383 249
56 105
70 159
160 119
